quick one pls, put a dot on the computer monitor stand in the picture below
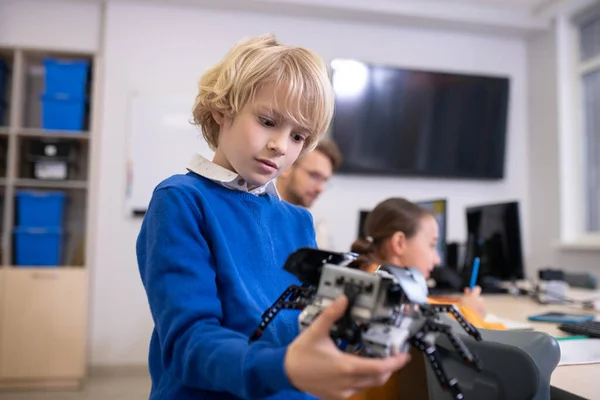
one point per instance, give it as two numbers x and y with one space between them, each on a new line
449 281
491 285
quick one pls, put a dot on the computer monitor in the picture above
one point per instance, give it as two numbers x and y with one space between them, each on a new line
437 207
362 217
494 235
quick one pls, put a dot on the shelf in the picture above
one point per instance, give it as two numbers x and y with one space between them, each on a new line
45 268
43 308
38 183
44 133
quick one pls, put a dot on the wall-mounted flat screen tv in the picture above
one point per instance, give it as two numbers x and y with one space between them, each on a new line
394 121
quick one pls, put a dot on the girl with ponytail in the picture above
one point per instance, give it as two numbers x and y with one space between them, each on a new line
402 233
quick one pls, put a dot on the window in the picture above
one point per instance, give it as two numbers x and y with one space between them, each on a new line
589 69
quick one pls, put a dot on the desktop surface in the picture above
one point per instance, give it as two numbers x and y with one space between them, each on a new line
581 380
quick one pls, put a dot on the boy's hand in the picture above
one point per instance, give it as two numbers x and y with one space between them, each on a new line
473 300
315 365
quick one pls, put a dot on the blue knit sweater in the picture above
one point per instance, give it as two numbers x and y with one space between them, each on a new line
211 262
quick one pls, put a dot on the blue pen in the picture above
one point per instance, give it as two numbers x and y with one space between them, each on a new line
474 273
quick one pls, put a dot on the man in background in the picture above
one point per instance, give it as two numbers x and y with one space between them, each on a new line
305 180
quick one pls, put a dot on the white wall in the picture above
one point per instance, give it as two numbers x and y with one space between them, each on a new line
50 24
165 49
543 149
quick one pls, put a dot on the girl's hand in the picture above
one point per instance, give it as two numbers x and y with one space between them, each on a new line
473 300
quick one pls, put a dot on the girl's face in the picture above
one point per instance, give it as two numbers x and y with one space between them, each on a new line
420 251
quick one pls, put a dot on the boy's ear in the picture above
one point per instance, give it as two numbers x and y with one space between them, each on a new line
218 117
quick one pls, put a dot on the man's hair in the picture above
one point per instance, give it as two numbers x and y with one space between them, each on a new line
255 63
331 151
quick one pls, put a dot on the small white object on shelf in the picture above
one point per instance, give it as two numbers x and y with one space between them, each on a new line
50 170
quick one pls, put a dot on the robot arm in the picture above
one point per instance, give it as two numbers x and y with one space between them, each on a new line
387 311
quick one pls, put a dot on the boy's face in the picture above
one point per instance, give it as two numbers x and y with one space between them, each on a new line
258 143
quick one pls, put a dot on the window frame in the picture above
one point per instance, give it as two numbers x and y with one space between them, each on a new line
584 68
574 234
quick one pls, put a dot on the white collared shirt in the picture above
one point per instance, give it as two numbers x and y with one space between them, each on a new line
206 168
323 238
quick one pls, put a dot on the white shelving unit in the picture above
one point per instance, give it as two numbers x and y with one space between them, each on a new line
43 310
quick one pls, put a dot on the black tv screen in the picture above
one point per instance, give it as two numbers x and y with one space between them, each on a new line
391 121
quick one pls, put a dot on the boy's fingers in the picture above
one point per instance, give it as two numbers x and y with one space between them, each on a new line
396 362
323 323
370 381
370 367
476 290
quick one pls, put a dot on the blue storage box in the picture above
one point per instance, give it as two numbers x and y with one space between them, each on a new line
3 80
38 246
66 77
62 112
39 209
2 112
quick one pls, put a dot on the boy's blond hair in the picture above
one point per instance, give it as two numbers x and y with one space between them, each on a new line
254 63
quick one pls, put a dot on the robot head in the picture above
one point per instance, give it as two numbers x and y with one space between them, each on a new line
411 283
306 263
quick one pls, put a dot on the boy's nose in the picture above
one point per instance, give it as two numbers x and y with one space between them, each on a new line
278 144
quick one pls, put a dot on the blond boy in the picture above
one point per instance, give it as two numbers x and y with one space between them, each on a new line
213 242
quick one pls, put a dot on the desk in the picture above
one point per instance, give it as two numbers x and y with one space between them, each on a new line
582 380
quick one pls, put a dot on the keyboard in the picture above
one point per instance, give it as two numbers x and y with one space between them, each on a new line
587 328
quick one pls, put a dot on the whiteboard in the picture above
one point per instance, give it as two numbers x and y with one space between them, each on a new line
161 142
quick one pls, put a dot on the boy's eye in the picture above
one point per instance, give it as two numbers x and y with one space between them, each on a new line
266 122
297 137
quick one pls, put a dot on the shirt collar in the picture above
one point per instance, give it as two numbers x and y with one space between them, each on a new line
206 168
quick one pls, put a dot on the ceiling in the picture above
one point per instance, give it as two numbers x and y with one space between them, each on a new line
532 6
499 3
489 16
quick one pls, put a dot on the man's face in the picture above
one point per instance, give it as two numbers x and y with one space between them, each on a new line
305 180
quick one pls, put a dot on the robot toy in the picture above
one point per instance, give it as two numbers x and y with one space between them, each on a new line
387 310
